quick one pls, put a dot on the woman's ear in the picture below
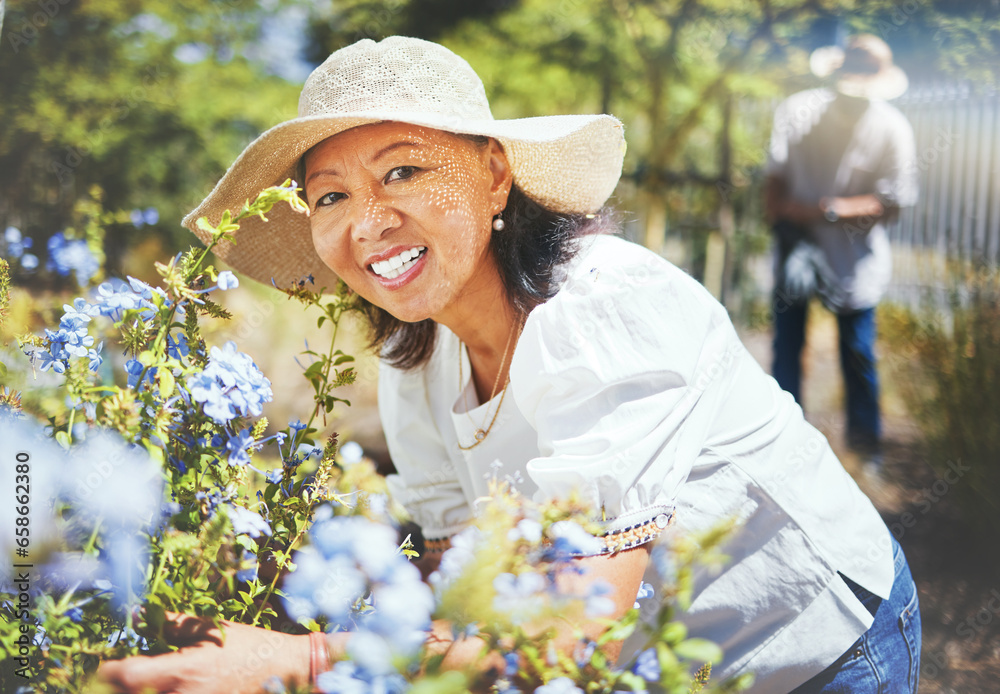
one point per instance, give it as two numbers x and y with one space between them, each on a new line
499 168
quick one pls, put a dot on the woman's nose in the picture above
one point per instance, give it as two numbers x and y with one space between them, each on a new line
373 215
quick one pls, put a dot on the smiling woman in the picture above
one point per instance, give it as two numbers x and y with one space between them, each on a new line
512 327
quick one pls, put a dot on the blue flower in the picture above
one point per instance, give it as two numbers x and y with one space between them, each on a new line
248 567
560 685
645 591
519 597
348 558
29 261
570 539
113 298
66 256
94 355
647 665
134 367
113 480
227 280
237 446
128 558
140 218
454 560
77 314
230 384
247 522
347 677
16 244
50 361
322 586
177 347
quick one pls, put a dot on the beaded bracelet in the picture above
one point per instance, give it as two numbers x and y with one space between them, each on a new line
319 656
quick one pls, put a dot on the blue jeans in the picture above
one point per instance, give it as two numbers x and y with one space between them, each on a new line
857 362
886 659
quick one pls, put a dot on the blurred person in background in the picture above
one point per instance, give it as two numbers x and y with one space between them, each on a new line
841 164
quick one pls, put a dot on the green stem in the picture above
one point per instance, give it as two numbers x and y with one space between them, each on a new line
93 538
158 575
335 319
69 427
274 581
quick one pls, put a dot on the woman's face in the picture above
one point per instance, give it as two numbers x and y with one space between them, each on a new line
403 215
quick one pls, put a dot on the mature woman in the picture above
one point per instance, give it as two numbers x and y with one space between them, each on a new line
512 327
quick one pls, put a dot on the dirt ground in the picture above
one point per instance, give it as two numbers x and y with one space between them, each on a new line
957 577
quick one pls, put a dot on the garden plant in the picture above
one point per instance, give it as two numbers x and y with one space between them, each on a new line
165 489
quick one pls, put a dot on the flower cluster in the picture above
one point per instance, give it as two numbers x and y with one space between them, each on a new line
354 575
16 247
110 486
230 385
71 340
71 255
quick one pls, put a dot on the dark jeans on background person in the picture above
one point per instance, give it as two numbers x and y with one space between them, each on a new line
886 659
857 361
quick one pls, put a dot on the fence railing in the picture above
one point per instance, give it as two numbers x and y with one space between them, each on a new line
958 161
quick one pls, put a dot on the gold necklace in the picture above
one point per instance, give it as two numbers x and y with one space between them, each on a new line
482 433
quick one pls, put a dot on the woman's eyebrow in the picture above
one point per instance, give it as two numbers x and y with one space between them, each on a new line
322 172
378 155
395 145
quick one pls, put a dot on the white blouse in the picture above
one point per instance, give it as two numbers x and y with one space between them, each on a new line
631 386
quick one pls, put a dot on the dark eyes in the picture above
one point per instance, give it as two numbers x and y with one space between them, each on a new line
329 199
400 173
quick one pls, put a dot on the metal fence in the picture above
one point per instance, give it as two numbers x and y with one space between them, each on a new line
958 215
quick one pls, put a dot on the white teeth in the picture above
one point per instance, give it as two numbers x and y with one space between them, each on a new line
397 265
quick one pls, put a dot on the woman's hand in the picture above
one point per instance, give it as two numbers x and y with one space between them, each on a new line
233 658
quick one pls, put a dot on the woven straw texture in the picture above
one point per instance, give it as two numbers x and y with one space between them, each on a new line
567 163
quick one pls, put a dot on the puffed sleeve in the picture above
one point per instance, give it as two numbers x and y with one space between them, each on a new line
621 375
426 483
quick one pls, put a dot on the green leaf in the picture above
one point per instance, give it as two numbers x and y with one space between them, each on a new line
701 650
673 632
621 629
63 439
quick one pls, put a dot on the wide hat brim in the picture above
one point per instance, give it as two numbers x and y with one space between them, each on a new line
570 164
888 83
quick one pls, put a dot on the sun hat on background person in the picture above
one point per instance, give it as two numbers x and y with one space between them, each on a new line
568 164
864 69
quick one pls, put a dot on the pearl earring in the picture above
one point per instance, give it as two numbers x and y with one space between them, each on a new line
498 224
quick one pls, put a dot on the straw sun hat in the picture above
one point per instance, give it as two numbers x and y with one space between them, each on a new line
567 163
863 69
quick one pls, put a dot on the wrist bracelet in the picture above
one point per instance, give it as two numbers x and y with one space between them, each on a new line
319 656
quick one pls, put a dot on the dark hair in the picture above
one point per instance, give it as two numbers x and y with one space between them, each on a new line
528 253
